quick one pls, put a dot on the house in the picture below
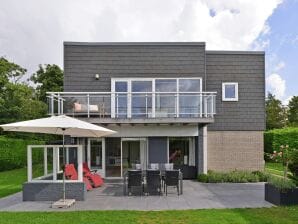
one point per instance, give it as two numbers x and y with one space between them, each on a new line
172 102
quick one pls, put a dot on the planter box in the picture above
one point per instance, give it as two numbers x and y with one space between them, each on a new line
278 197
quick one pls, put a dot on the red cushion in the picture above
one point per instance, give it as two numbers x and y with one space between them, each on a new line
87 182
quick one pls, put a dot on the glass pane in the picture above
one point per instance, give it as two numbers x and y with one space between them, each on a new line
121 99
96 154
113 157
141 103
165 105
121 86
179 151
230 91
130 154
141 86
189 105
165 85
189 85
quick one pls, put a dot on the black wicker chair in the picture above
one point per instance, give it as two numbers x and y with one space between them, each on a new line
135 181
171 180
153 185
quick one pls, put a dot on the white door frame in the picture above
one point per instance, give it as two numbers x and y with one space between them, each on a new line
139 140
102 171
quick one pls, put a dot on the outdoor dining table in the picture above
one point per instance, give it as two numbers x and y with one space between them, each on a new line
162 173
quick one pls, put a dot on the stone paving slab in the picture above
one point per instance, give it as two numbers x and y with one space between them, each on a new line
195 196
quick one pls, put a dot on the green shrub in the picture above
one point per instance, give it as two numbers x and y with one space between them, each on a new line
281 183
13 153
203 178
273 139
233 177
293 166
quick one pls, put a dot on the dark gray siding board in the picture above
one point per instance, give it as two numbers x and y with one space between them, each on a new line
248 70
82 62
158 149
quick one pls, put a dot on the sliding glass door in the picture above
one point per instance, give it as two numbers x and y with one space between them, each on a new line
134 151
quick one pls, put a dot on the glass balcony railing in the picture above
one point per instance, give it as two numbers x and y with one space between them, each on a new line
133 105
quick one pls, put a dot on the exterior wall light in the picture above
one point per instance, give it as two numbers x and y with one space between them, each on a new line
97 76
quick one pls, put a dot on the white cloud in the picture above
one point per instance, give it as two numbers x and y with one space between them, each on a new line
276 85
32 31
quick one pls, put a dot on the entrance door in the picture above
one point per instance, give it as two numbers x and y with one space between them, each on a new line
96 154
134 151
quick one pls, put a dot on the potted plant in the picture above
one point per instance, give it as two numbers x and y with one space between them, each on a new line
282 191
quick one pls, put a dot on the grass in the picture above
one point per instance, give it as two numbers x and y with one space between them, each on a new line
285 215
11 181
275 169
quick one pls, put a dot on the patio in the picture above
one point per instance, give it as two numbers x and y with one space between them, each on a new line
195 196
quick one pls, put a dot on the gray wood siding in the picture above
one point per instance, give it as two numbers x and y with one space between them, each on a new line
248 70
82 62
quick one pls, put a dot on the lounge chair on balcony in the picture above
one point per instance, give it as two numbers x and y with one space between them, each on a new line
94 178
71 174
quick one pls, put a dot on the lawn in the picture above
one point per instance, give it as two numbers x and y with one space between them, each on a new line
255 216
274 168
11 181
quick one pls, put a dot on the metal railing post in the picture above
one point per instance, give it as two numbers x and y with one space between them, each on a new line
177 105
58 98
88 105
52 104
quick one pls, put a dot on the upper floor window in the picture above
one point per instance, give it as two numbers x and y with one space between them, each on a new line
229 91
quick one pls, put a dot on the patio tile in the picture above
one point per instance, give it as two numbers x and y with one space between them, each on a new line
195 196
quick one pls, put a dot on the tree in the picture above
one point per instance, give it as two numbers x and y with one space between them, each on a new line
48 78
293 111
10 71
276 115
17 101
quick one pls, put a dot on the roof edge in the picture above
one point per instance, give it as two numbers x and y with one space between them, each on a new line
131 43
235 52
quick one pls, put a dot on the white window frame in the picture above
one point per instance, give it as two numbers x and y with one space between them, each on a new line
224 98
129 92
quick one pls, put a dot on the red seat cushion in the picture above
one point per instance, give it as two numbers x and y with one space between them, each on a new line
95 178
71 174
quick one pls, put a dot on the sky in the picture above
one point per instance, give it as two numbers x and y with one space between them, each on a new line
32 31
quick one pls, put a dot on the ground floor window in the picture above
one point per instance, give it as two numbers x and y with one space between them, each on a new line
181 151
96 153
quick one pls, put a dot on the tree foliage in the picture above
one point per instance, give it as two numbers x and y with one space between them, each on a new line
17 100
293 111
276 114
48 78
10 71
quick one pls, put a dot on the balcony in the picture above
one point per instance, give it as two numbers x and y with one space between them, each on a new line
139 107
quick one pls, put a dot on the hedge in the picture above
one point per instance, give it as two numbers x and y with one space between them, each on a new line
273 139
13 152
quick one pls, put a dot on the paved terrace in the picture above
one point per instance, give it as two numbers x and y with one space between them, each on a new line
195 196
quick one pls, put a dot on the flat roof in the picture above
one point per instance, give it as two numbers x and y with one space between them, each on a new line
235 52
132 43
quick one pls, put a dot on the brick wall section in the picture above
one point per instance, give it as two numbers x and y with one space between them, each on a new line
230 150
123 60
246 68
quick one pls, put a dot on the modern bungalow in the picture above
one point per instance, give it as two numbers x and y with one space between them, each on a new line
172 102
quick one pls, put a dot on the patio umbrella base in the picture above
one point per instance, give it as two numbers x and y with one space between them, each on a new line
63 203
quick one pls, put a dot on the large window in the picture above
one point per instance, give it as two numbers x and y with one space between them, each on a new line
181 151
230 91
141 100
157 97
